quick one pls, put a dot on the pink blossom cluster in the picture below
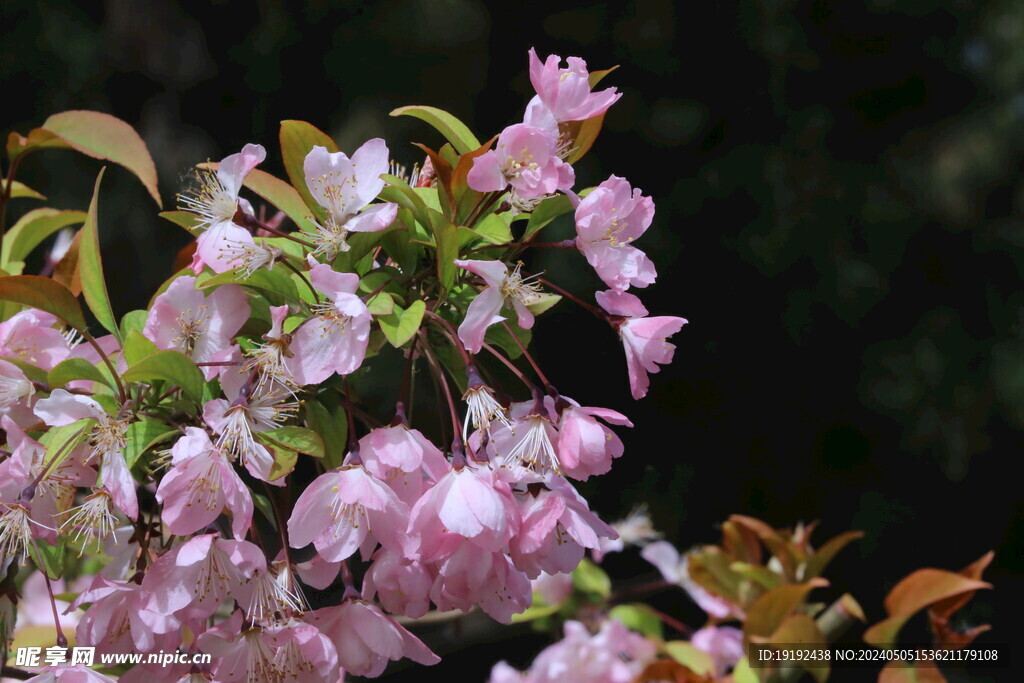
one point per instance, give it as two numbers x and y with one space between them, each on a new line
186 449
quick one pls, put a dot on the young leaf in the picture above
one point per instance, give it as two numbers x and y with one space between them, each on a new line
298 138
400 326
133 320
326 417
446 237
294 438
49 558
454 131
284 461
71 369
547 211
591 579
638 617
94 287
20 190
136 347
143 435
44 294
103 136
183 219
34 227
172 366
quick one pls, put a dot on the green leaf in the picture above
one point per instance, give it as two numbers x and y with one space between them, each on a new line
71 369
143 435
446 238
534 612
326 417
543 302
34 227
34 374
60 441
275 281
591 579
94 287
742 673
454 131
37 138
547 211
137 347
49 558
103 136
183 219
400 326
279 193
499 335
295 438
697 661
172 366
133 320
769 610
21 190
46 295
262 503
381 304
284 461
638 617
494 229
297 139
399 192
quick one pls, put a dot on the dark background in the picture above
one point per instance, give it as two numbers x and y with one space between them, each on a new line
839 217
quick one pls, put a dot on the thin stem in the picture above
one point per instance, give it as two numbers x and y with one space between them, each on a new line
533 363
593 309
508 364
403 395
6 199
671 622
122 394
454 414
482 207
62 640
434 317
565 244
302 276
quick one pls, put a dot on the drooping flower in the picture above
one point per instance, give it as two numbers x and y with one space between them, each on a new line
200 326
643 338
635 529
471 576
404 459
366 638
401 585
503 289
608 220
346 509
335 339
530 439
240 652
94 518
302 654
586 446
526 158
345 187
270 359
119 619
201 485
565 92
215 202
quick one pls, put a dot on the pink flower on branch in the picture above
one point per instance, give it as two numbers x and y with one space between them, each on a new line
565 91
526 158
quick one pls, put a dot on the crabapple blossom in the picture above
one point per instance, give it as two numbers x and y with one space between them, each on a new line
673 567
470 575
723 643
401 585
526 159
565 92
608 220
643 338
586 447
503 288
345 187
30 336
120 619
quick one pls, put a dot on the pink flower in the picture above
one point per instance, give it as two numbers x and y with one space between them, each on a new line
200 326
215 202
346 509
673 567
16 395
193 579
608 220
302 654
345 187
239 652
120 619
612 655
201 485
401 585
556 527
503 289
471 576
643 338
586 446
366 638
527 444
404 459
525 158
566 91
29 336
553 589
723 643
335 340
471 502
71 674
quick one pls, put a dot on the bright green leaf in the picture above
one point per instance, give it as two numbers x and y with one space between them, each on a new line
275 281
547 211
543 302
103 136
297 139
591 579
137 347
143 435
71 369
94 287
454 130
297 439
183 219
638 617
697 661
400 326
284 461
133 320
381 304
172 366
326 417
49 558
20 190
34 227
